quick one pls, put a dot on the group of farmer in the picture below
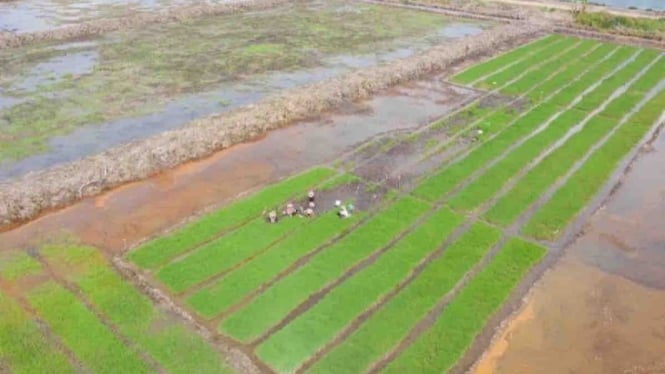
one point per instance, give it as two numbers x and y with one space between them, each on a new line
290 210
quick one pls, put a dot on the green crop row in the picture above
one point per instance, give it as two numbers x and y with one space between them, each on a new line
253 320
564 97
533 77
615 81
439 348
391 323
290 347
480 70
23 347
164 338
93 343
543 175
645 82
531 62
436 186
159 251
18 264
550 221
483 188
597 60
214 299
225 252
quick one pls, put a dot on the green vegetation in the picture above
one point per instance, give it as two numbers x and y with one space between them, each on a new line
478 71
438 349
252 321
137 72
651 28
214 299
550 221
18 264
383 330
23 346
287 349
80 330
159 251
163 337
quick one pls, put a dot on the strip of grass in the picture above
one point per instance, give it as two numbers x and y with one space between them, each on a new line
483 188
390 324
501 78
15 264
157 252
634 26
550 221
438 349
436 186
23 346
165 338
214 299
478 71
533 77
291 346
573 70
225 252
645 83
615 81
92 342
251 321
543 175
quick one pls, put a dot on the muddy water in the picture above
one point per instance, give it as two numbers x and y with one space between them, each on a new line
37 15
122 217
90 140
601 308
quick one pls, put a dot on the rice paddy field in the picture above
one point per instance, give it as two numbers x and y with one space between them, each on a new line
451 223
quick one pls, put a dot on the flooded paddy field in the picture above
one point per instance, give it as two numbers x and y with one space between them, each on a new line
463 189
60 102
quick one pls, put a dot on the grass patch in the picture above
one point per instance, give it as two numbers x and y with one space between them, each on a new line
80 330
214 299
251 321
550 221
287 349
439 348
164 337
17 264
23 347
383 330
159 251
650 28
478 71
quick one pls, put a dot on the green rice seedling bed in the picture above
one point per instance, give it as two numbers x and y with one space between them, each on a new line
644 84
225 252
390 324
483 188
290 347
166 339
614 82
436 186
593 60
230 289
478 71
501 78
565 97
439 348
534 77
252 321
550 221
93 343
543 175
16 264
23 347
159 251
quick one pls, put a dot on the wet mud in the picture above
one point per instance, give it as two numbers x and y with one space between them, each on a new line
601 307
118 219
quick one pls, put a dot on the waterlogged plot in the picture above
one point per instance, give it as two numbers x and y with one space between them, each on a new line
141 82
408 282
65 309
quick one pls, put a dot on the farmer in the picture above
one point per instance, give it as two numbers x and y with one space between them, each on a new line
272 217
310 196
290 210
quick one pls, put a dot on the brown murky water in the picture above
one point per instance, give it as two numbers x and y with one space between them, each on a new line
601 308
124 216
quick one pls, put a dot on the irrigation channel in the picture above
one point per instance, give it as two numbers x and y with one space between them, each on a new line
471 185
